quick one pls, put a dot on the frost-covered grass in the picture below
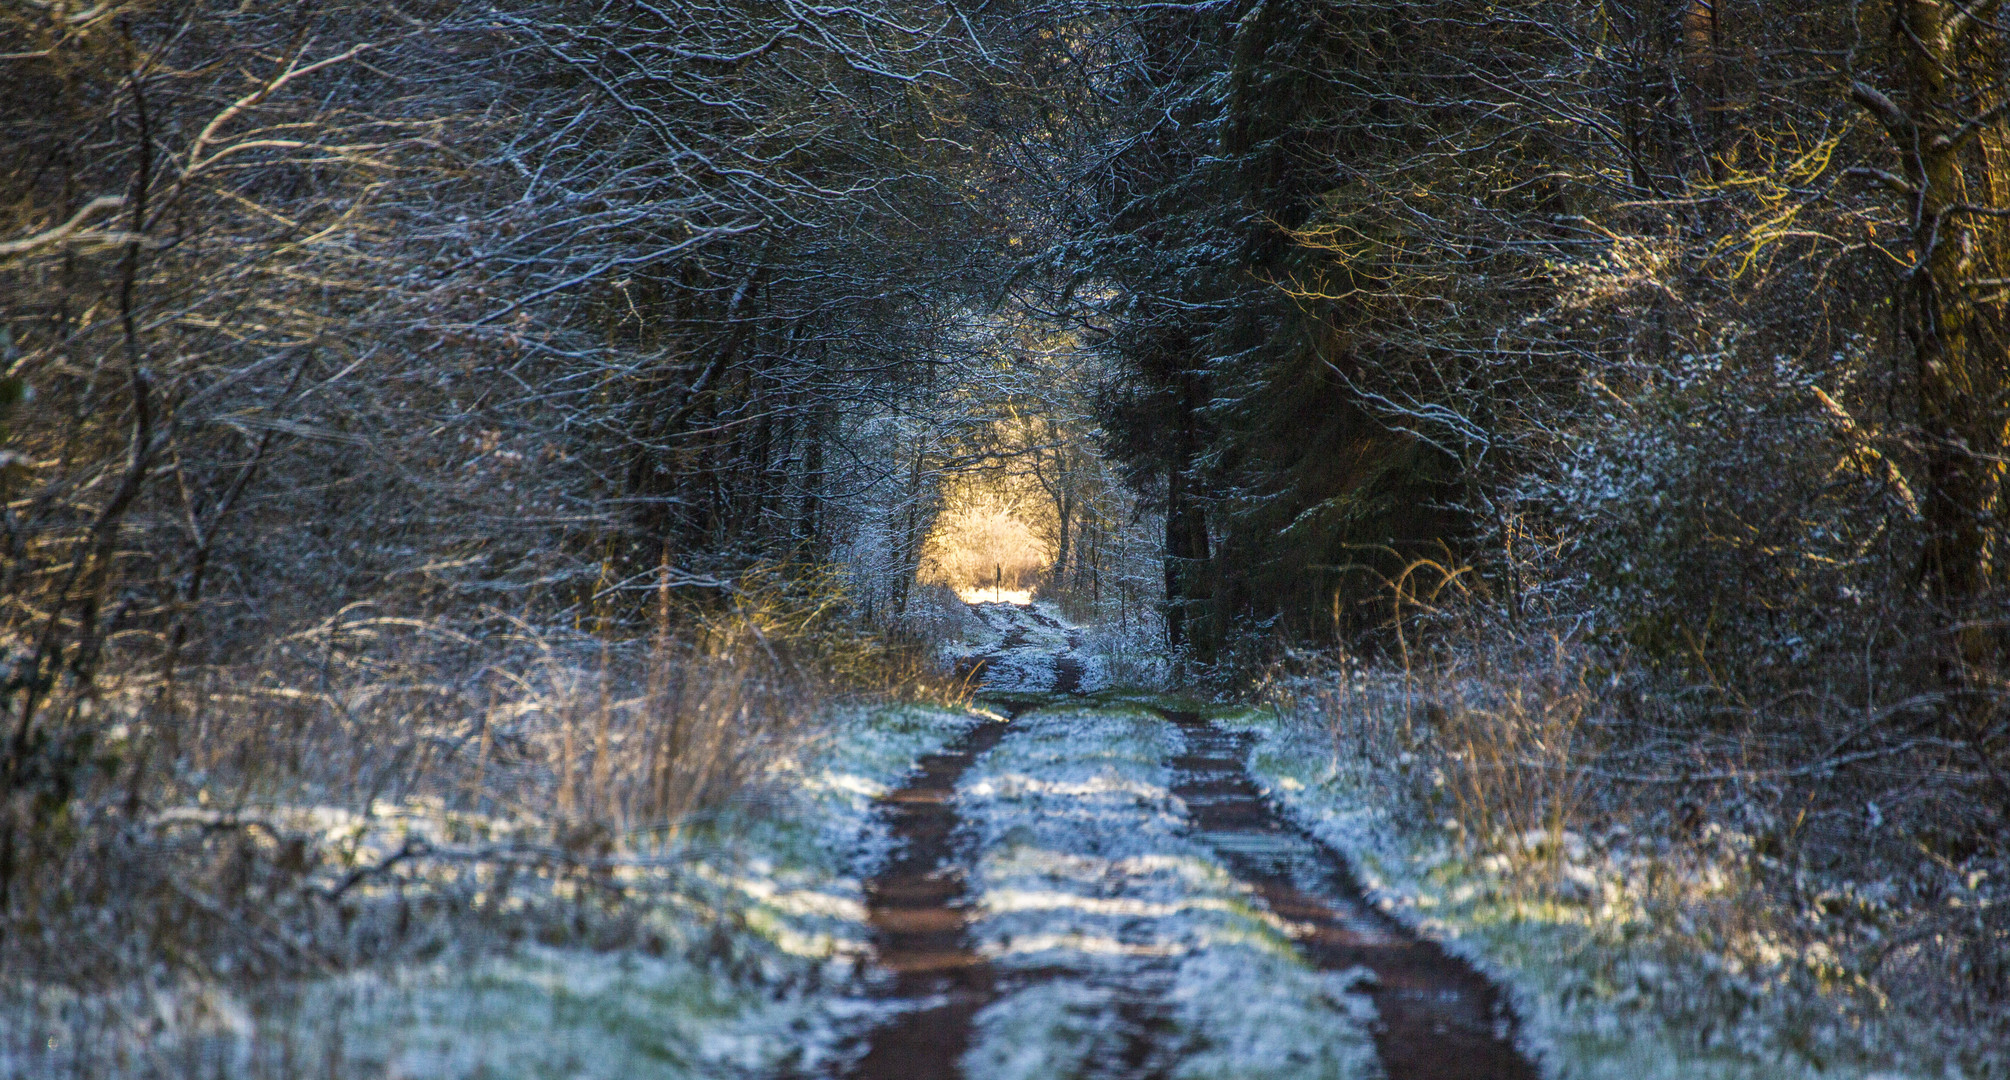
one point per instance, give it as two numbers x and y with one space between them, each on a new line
1611 982
1129 652
553 1012
1093 899
742 956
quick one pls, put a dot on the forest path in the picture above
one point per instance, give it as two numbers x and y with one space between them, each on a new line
1097 888
1034 651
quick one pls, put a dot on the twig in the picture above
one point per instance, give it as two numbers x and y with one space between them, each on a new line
413 847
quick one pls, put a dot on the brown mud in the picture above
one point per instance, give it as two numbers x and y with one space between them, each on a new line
1439 1018
917 907
971 668
1069 669
1068 666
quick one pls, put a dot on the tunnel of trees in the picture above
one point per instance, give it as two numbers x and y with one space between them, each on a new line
682 290
1675 326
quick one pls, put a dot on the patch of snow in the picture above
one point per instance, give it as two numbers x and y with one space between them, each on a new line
773 987
1048 1030
1089 867
1023 647
1021 597
1584 1001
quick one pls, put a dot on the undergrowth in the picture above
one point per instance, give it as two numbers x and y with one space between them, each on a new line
378 790
1814 877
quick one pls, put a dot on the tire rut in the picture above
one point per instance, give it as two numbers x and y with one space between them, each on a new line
1015 622
1069 667
918 905
917 909
1439 1018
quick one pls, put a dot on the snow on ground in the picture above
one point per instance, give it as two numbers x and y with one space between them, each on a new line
762 1001
1026 648
1021 597
760 923
1117 935
1590 981
866 753
573 1013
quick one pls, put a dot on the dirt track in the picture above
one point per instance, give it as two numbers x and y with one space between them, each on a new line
1123 792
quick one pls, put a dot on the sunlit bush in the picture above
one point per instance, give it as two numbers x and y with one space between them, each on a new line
1726 515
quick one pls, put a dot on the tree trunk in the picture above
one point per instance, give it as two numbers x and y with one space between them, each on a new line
1064 512
1187 553
1958 359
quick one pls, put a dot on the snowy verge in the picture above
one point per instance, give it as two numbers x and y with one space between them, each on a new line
746 960
1600 993
774 986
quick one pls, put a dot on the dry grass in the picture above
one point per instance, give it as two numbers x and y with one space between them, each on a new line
377 789
1809 864
374 791
282 796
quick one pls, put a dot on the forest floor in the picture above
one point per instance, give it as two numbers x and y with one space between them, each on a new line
1065 880
1120 883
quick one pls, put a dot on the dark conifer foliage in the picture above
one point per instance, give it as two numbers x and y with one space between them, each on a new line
1290 505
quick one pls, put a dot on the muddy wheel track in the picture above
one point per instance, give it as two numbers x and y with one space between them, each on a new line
916 907
1069 668
1439 1019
